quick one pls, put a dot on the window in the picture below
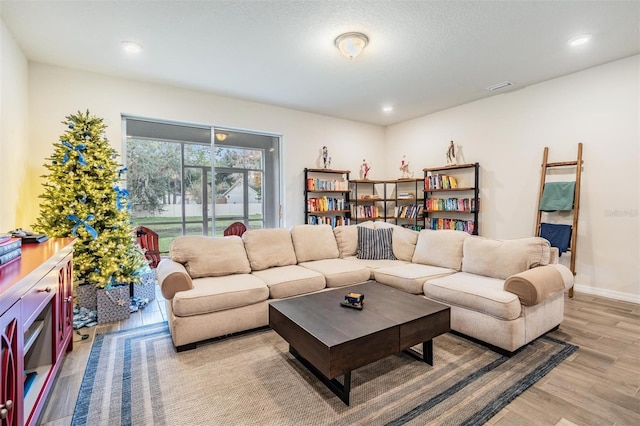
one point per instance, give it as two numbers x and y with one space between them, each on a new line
182 184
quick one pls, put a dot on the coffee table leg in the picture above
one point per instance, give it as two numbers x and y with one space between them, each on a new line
427 352
341 390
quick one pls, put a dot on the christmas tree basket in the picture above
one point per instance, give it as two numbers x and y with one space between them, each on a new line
146 287
87 297
113 304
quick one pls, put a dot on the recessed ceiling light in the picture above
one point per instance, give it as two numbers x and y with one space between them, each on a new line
387 108
131 47
579 40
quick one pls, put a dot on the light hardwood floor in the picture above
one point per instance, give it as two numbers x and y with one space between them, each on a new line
598 385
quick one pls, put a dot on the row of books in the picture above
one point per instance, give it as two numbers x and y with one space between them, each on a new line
316 184
412 226
329 220
455 224
10 250
440 182
365 212
409 211
325 204
452 204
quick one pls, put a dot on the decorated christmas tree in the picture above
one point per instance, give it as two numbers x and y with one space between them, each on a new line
83 198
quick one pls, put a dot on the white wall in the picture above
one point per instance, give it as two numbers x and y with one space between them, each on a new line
13 130
56 92
507 134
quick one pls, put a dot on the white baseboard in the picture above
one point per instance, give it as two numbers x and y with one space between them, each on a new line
617 295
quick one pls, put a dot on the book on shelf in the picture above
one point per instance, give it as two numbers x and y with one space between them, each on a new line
467 205
437 181
415 227
409 211
9 245
455 224
329 220
326 204
406 195
317 184
10 255
365 212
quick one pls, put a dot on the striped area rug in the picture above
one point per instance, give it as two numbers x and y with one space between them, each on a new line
136 377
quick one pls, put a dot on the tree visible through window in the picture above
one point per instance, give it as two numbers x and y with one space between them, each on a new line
239 188
167 194
181 184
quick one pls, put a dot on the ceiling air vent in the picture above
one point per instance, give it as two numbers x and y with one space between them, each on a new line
499 86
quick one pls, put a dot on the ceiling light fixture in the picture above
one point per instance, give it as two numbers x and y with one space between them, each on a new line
387 108
131 47
351 44
221 136
579 40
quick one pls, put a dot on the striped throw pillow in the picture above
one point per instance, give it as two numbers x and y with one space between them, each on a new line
375 243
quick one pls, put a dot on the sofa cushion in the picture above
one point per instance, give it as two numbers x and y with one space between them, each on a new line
477 293
536 284
339 272
375 243
409 277
403 240
375 264
212 294
440 248
287 281
210 256
501 259
347 238
314 242
267 248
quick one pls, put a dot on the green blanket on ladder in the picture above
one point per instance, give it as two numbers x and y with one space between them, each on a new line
557 196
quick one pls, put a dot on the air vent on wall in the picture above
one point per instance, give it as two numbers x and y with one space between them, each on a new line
499 86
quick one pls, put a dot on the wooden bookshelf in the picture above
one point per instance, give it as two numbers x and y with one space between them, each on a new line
326 197
455 210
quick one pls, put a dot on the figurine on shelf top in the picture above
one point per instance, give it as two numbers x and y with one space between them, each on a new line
364 170
326 160
459 155
404 168
451 155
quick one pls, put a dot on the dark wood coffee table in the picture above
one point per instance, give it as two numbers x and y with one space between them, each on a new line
332 340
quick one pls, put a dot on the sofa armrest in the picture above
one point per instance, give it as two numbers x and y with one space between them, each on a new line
537 284
173 277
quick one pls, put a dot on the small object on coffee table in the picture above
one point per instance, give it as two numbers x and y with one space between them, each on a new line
353 300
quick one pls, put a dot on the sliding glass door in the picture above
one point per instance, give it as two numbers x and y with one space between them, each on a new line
183 181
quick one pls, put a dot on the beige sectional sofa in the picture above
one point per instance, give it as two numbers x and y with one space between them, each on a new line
504 293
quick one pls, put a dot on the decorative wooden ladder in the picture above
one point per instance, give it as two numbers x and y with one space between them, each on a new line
576 201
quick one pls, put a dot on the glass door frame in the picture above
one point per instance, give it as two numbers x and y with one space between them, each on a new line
207 222
272 210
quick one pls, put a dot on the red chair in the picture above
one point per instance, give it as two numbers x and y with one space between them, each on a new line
236 228
149 243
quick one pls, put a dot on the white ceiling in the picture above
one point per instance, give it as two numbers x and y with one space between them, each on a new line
423 56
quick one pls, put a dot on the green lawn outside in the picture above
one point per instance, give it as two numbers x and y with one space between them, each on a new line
168 231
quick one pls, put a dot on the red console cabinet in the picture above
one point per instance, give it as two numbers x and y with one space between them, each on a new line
36 325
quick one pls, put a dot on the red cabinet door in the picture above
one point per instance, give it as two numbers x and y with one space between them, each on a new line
11 368
64 308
